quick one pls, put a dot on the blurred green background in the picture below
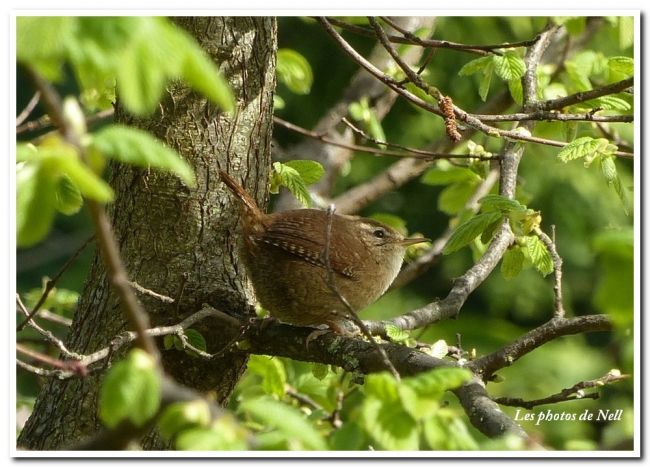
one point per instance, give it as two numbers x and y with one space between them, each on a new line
594 235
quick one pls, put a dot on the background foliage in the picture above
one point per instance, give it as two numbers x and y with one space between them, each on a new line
295 405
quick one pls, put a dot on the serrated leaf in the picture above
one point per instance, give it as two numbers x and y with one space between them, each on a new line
608 167
610 103
309 171
272 372
509 66
512 263
130 391
286 419
68 198
168 342
389 425
35 207
476 66
469 230
500 203
489 231
538 254
137 147
581 147
182 415
396 334
290 178
294 71
623 65
434 383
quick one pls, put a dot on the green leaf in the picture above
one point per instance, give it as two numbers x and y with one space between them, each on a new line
196 339
509 66
623 65
182 415
169 341
469 230
476 66
200 72
575 25
439 349
309 171
88 183
453 198
319 370
389 425
137 147
610 103
516 91
500 203
626 31
286 176
434 383
538 254
294 71
445 431
35 203
41 42
608 167
130 391
484 86
512 263
396 334
68 198
581 147
272 372
225 434
286 419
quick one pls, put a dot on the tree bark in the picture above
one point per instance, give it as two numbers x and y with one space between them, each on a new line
175 240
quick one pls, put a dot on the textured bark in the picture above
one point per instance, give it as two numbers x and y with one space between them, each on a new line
175 240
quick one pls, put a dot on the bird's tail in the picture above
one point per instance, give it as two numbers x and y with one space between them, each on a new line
243 196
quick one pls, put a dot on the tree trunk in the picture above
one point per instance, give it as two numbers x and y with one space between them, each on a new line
176 241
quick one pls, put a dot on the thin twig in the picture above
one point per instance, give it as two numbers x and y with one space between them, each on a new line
461 115
72 366
411 152
440 44
556 104
575 392
352 314
556 116
48 335
304 399
31 105
557 269
50 284
104 235
151 293
46 122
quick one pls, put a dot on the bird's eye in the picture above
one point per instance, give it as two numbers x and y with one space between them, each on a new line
379 233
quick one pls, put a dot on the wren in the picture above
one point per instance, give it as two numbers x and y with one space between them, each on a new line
284 255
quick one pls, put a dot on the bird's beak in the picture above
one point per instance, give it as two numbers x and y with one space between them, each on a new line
413 241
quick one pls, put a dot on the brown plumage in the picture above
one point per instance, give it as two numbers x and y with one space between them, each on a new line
284 256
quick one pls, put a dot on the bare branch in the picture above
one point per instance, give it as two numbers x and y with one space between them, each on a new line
151 293
66 366
575 392
541 115
31 105
557 269
409 38
578 97
552 329
50 284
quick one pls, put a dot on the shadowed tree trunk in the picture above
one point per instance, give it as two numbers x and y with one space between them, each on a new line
177 241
